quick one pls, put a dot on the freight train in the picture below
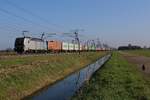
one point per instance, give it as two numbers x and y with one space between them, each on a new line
37 45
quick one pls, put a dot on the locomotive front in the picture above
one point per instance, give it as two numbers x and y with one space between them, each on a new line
19 45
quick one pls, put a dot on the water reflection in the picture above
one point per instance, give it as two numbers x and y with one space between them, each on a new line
65 89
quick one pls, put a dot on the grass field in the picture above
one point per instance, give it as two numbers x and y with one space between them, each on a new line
4 53
116 80
22 75
140 52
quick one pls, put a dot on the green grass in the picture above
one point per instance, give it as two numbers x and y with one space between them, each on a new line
116 80
140 52
22 75
4 53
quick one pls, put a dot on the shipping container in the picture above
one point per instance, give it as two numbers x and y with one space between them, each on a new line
89 47
71 46
54 45
85 47
93 48
76 47
98 49
65 46
104 49
80 47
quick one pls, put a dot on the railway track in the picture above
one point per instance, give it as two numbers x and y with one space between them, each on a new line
33 54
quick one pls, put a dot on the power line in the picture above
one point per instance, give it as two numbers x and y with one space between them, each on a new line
31 13
20 17
8 29
9 26
14 27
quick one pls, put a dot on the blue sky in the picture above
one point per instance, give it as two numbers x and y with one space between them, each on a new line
116 22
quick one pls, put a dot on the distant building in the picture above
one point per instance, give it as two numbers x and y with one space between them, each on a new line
129 47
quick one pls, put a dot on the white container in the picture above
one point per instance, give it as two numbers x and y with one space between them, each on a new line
65 46
80 47
71 46
76 47
86 48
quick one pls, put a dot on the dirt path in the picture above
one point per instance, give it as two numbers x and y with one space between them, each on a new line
139 61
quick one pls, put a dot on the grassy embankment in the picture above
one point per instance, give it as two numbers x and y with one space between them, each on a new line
116 80
22 75
4 53
140 52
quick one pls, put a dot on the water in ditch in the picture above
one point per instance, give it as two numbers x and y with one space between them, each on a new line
66 88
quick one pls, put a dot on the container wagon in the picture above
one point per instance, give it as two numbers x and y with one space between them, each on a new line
98 49
76 47
80 47
54 46
65 46
71 47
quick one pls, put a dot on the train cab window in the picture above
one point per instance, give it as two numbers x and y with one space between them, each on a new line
19 41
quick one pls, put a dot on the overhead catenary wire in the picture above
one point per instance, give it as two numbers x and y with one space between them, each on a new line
22 18
27 12
10 27
32 14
